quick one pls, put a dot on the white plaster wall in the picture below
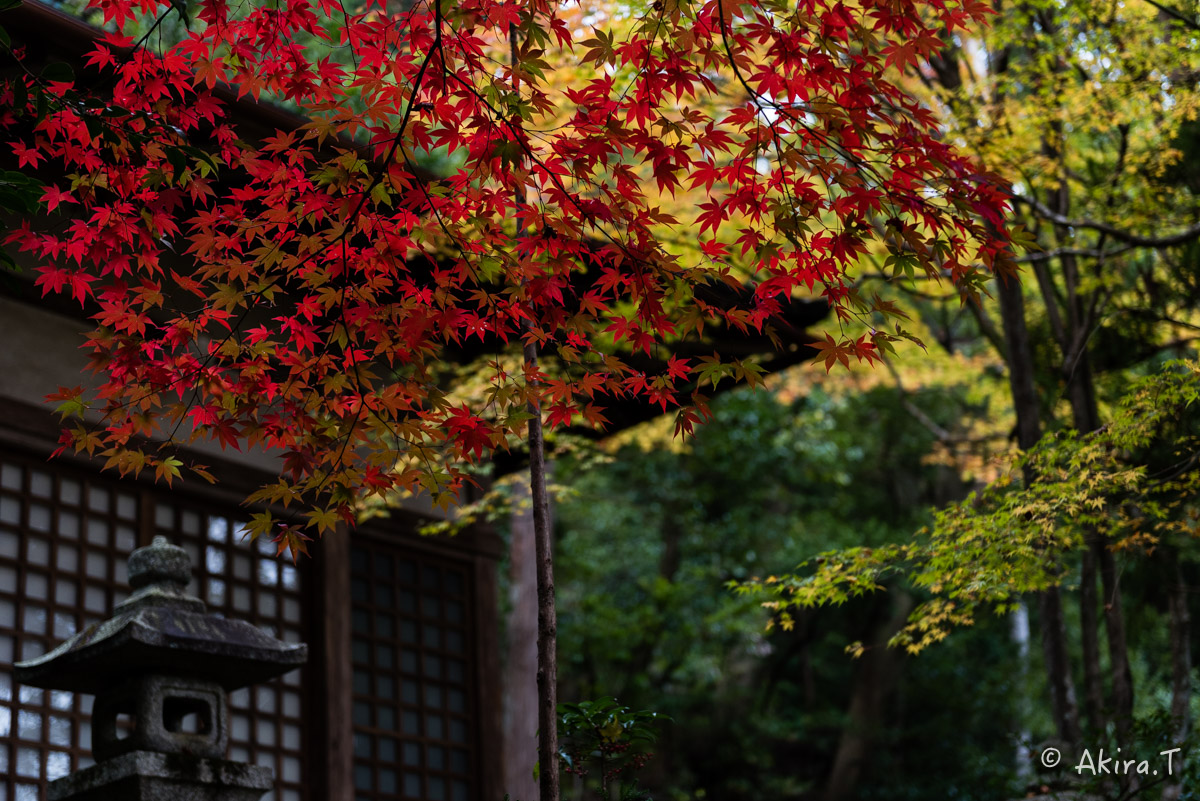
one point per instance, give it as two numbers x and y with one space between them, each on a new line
39 352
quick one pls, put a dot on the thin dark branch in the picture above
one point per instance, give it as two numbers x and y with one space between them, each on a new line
1170 12
1153 350
931 425
1119 234
988 328
1054 253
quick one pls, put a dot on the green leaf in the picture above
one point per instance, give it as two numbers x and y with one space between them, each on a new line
323 519
20 94
200 155
58 71
20 193
179 161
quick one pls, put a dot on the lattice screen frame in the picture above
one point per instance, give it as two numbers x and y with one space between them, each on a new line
35 561
65 536
63 544
413 710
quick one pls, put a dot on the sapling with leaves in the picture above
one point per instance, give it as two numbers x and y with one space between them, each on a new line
604 746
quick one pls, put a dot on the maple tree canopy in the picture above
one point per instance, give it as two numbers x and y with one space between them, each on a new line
603 174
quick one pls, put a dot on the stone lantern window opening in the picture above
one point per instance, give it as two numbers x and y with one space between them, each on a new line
187 716
161 714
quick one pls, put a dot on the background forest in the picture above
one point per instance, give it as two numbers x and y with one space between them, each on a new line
1085 642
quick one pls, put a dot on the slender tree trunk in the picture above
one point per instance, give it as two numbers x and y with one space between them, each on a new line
1181 659
874 680
521 699
1025 405
1118 653
1090 625
1020 363
547 675
1058 666
1077 372
1024 394
1019 621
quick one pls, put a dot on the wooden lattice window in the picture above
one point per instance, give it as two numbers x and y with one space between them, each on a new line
64 542
65 538
412 711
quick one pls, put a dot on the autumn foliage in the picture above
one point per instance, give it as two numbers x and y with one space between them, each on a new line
301 292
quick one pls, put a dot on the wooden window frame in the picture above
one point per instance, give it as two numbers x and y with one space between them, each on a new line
30 432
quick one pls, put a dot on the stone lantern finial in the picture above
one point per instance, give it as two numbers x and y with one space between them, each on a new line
164 666
160 563
159 575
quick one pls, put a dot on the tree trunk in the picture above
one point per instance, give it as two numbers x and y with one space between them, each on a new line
547 674
521 703
1019 622
1058 667
1090 625
1118 654
1025 405
1020 363
1024 394
1181 660
877 674
1077 372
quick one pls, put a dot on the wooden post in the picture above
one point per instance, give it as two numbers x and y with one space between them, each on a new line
333 628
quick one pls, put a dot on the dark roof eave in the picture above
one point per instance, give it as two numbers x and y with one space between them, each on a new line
69 39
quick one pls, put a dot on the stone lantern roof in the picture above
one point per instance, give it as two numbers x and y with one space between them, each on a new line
161 629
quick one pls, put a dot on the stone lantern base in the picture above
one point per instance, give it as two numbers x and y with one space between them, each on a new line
151 776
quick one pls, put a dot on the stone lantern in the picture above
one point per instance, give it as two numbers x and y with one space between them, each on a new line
160 669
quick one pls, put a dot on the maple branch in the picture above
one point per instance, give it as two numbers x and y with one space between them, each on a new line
987 327
890 279
1153 350
1120 234
341 239
1150 316
928 422
256 235
235 327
